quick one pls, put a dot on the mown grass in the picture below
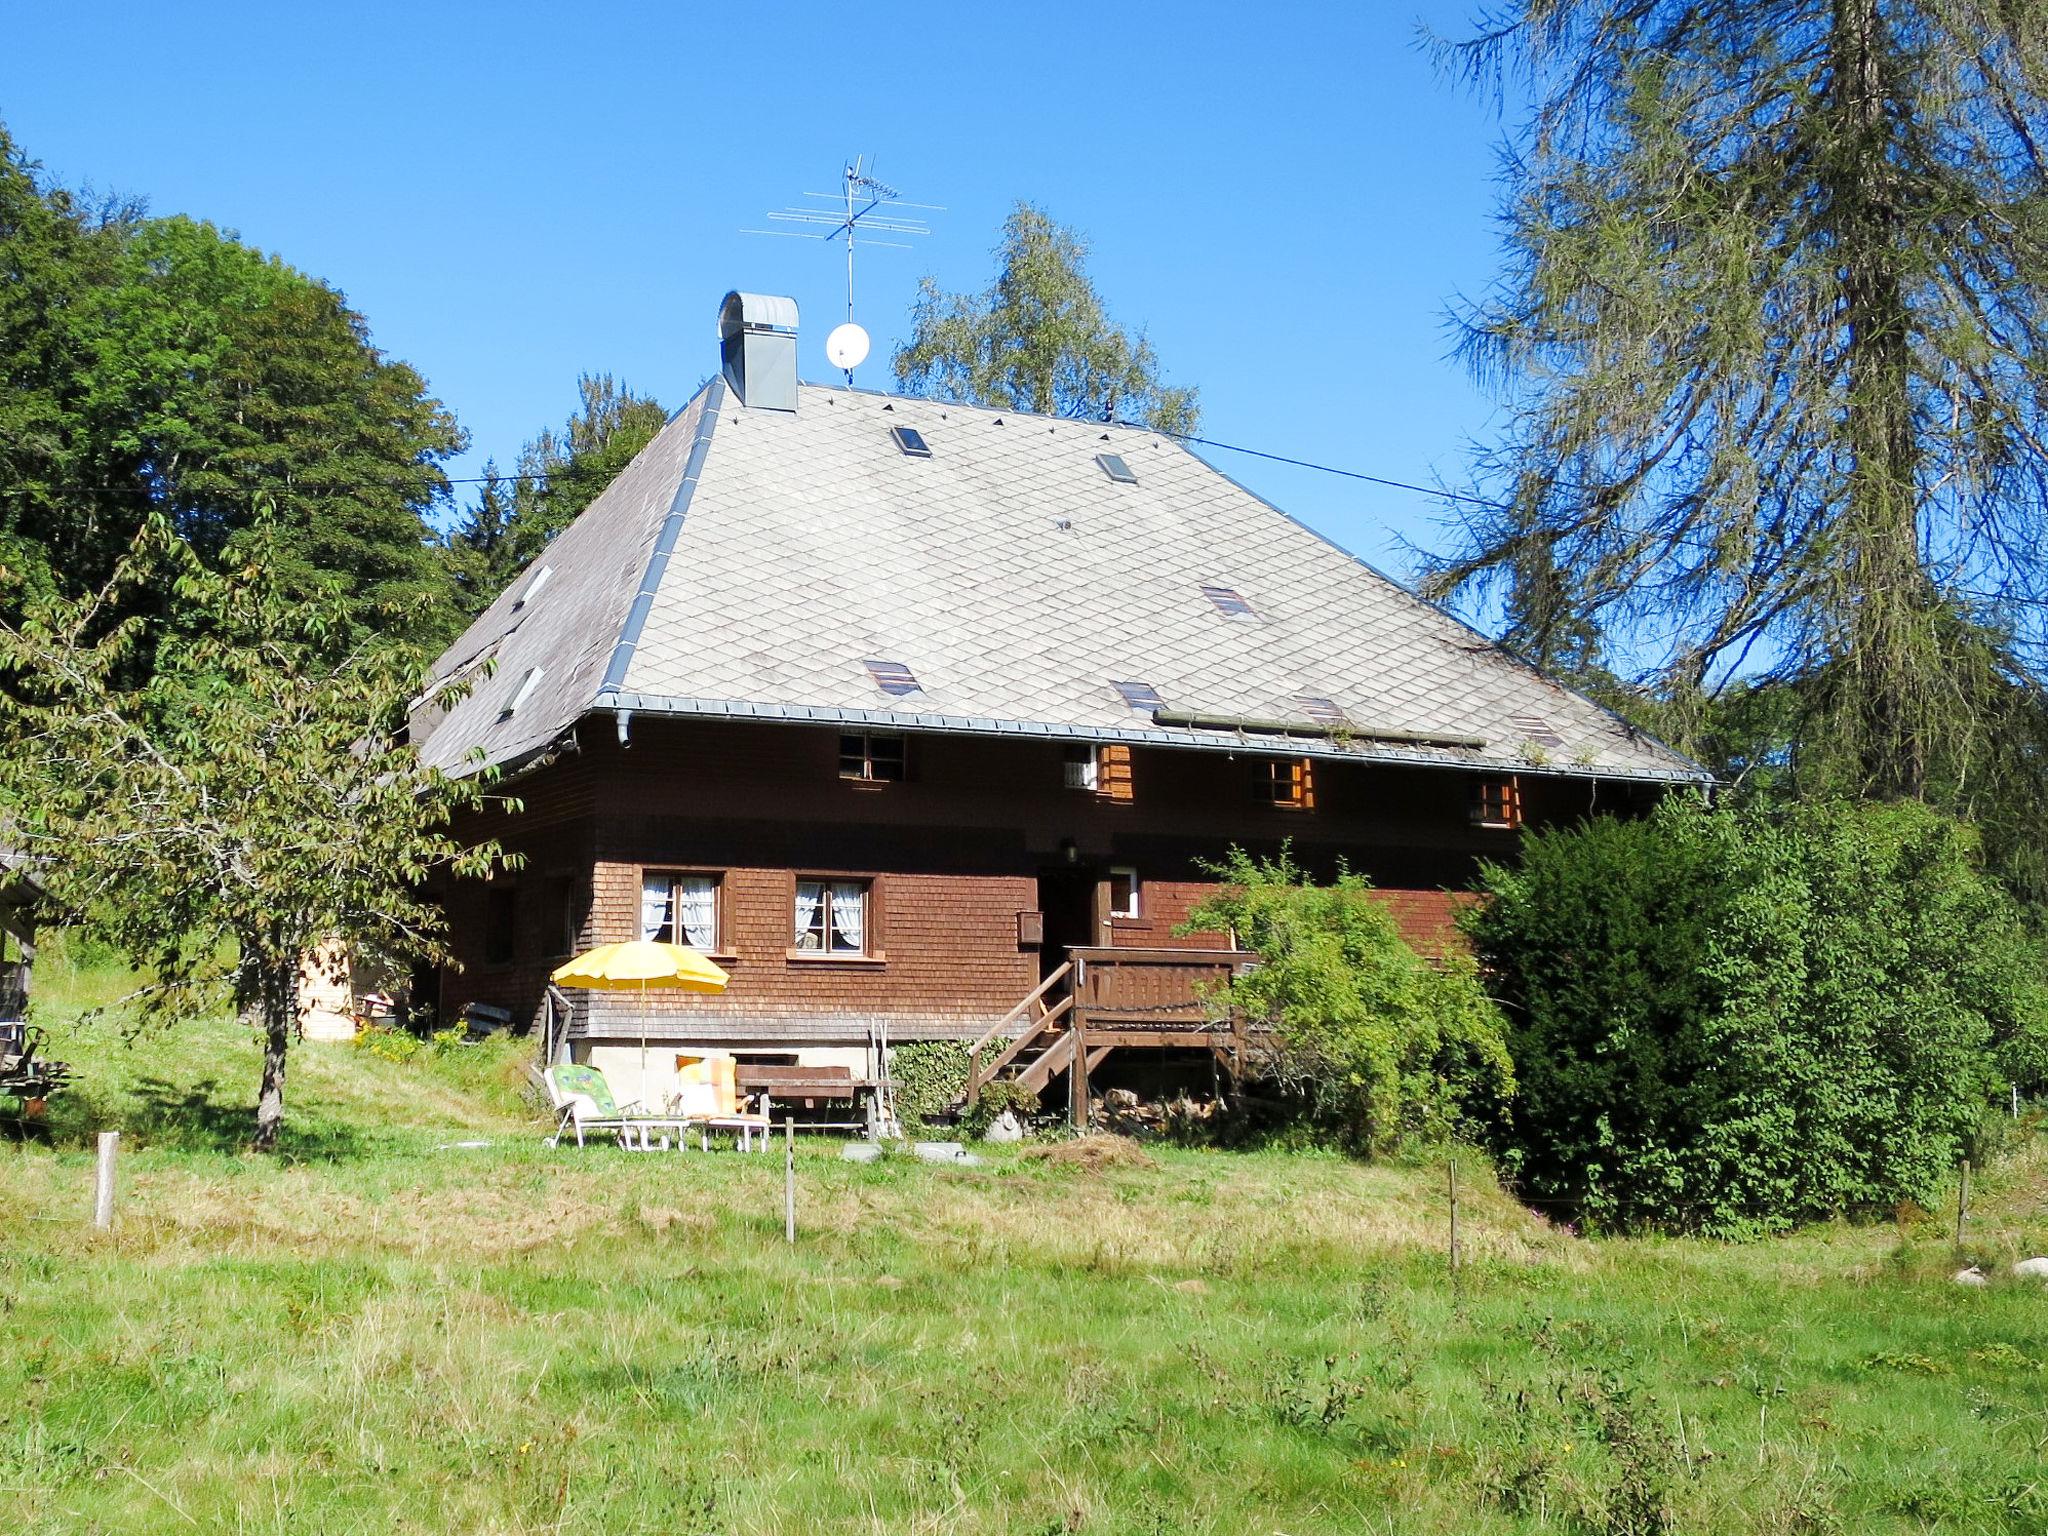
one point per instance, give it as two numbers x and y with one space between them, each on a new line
384 1331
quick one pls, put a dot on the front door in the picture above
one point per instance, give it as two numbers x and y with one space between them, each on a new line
1068 897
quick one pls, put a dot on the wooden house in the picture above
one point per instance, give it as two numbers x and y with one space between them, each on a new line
926 719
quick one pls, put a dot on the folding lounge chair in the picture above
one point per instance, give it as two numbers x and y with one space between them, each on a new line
583 1102
709 1096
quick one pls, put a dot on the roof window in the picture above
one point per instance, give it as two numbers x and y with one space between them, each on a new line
526 686
912 442
541 578
892 677
1113 465
1321 710
1230 602
1142 696
1536 730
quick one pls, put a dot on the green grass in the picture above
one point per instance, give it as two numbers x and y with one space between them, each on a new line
384 1332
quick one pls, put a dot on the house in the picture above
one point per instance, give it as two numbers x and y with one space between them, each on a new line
898 708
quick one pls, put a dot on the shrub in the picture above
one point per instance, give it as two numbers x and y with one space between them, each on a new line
929 1077
1376 1043
993 1100
1734 1021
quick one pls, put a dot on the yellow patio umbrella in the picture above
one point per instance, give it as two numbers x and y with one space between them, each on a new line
637 965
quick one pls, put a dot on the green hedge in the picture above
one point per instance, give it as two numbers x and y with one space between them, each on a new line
1731 1022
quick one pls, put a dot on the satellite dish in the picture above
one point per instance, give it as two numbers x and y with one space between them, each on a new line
847 346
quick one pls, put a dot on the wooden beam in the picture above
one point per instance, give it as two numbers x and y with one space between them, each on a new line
1041 1071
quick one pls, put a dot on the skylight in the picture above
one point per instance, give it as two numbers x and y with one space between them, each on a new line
1321 710
526 686
541 578
892 677
1141 696
1113 465
1537 730
1230 602
912 442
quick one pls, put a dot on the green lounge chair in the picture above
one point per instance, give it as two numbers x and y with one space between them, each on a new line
583 1102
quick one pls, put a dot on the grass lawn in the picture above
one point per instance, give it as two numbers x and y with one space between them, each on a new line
383 1331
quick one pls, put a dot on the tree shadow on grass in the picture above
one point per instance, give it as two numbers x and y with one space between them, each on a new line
193 1117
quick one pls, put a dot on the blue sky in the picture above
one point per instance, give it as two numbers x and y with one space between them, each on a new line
1286 198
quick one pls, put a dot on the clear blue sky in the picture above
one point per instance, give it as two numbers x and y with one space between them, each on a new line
1284 197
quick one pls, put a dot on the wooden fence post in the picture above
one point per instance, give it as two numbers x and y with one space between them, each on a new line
789 1178
103 1181
1454 1225
1962 1203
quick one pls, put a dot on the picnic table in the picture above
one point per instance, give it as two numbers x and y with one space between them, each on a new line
810 1087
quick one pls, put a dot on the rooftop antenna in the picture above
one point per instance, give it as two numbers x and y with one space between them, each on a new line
866 208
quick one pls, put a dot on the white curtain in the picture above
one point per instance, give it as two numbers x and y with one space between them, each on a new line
848 917
809 893
697 917
656 918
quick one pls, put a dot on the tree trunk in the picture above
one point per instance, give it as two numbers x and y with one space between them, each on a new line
277 1011
1886 598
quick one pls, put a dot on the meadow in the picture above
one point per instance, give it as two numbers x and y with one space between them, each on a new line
419 1319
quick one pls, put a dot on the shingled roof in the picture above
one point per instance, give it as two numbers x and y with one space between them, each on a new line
774 564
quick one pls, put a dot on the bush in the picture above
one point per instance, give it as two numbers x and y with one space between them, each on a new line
992 1101
1376 1043
929 1077
1730 1022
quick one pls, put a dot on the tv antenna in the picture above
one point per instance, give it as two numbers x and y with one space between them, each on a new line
867 208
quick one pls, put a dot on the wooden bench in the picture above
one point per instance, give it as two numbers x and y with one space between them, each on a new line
809 1087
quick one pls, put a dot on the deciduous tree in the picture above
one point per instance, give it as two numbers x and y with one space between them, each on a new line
1038 339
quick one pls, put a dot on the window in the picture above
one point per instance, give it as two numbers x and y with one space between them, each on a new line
1288 782
679 908
892 677
1321 710
1123 893
563 922
912 442
526 686
1536 730
1140 696
832 917
1230 602
871 759
1113 465
1497 803
501 924
1105 771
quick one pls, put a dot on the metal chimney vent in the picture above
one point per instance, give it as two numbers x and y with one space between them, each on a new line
757 349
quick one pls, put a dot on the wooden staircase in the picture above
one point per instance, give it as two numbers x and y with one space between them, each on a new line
1101 1000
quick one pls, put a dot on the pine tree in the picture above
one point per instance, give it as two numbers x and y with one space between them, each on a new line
1771 333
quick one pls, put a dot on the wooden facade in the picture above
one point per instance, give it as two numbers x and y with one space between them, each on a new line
971 877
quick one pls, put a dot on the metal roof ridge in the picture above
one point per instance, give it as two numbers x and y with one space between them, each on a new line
664 545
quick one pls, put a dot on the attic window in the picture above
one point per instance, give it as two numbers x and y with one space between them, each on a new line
1230 602
1321 710
541 578
1113 465
1288 782
526 686
912 442
1536 730
870 758
1140 696
1497 803
892 677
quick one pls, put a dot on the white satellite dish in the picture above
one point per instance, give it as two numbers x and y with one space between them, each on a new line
847 346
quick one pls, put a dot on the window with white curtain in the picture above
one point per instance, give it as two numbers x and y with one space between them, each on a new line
679 909
832 916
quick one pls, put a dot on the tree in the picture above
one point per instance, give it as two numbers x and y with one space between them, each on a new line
511 522
247 796
1772 338
1037 339
161 366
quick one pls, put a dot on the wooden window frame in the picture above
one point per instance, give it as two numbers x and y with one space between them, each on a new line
1109 775
873 932
1285 783
1137 910
1497 804
867 778
721 913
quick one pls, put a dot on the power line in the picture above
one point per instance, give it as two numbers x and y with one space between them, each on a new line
1327 469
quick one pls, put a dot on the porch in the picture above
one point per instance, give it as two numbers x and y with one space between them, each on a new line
1099 1000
